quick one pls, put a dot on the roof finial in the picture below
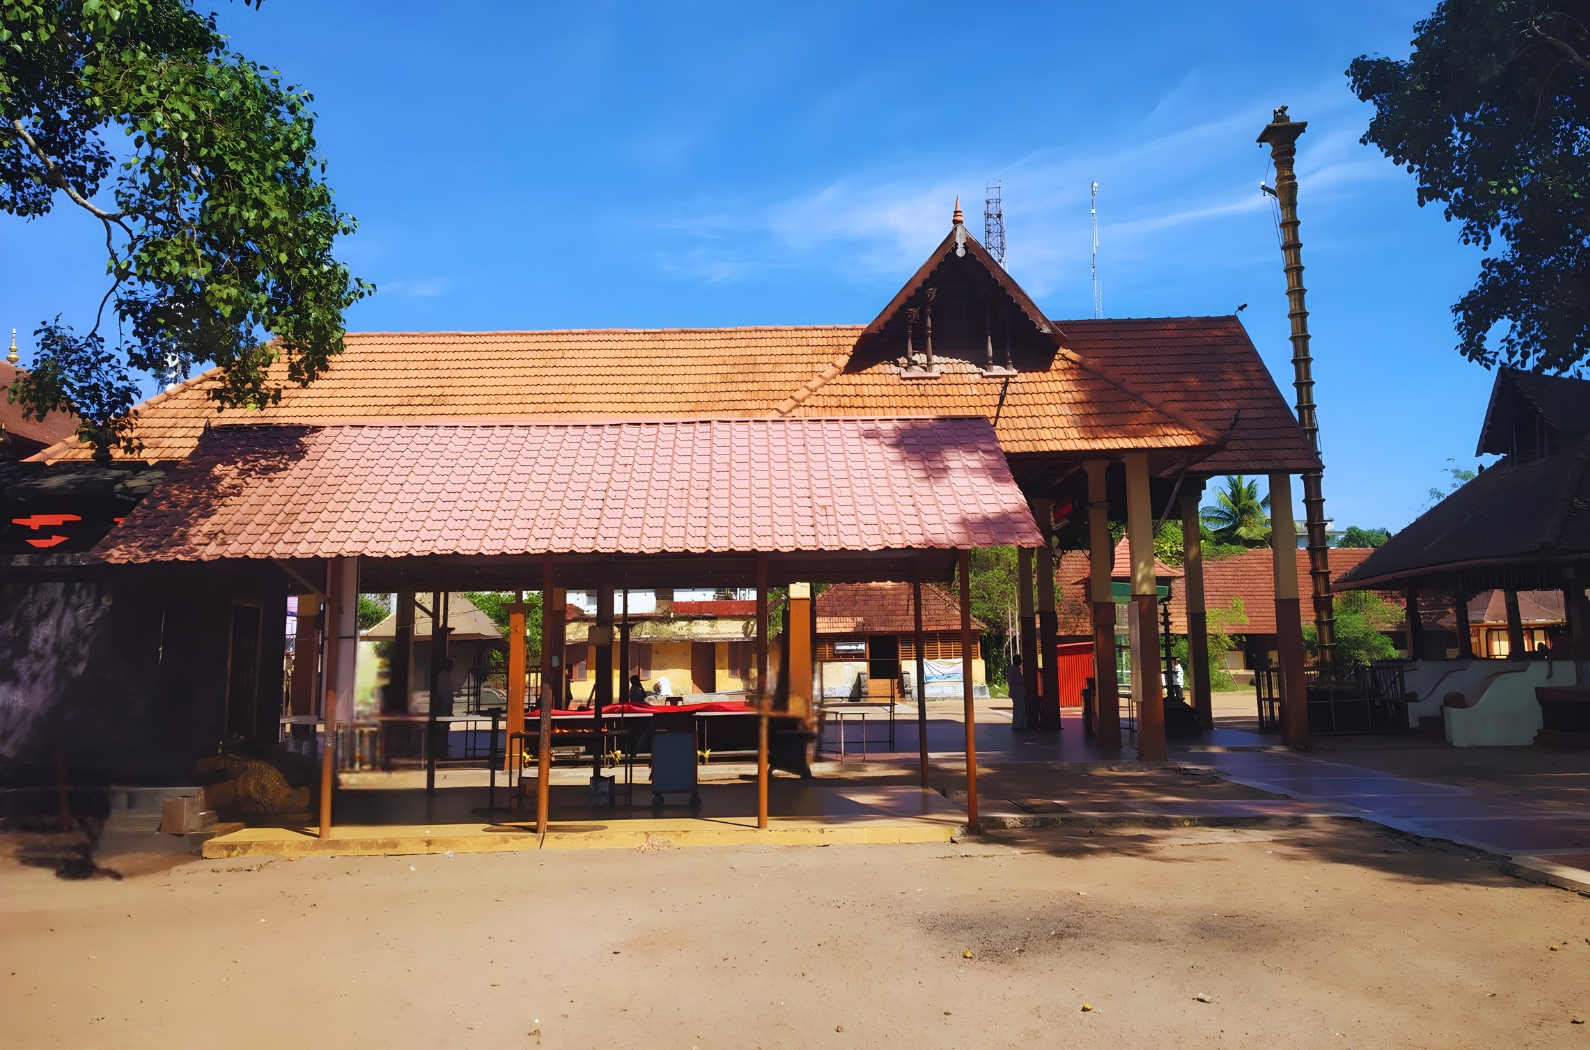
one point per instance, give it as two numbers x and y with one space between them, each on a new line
12 357
957 218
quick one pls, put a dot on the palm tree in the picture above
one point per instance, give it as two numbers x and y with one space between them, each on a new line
1238 515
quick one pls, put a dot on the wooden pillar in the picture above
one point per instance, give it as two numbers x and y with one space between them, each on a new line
1414 622
1515 627
516 672
1146 675
968 646
342 644
1460 607
602 644
1101 563
306 656
1577 612
1027 614
436 734
623 651
1048 621
1197 614
551 668
798 629
1288 614
400 675
764 691
921 680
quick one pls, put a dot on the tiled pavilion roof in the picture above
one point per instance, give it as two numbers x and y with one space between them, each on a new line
670 487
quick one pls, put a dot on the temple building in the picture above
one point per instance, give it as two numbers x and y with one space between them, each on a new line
601 461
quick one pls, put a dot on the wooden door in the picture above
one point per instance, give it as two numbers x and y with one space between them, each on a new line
704 666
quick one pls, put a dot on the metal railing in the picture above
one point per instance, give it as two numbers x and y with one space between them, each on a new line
1341 700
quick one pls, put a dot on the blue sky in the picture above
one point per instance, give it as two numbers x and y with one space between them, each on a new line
612 165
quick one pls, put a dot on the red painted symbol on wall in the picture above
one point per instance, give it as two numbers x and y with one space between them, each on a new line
46 521
52 541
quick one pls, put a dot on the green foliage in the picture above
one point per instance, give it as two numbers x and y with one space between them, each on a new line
80 375
218 228
1362 618
993 578
495 605
1357 537
1238 515
1217 635
373 608
1491 112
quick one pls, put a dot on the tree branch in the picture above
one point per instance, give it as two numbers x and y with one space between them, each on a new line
58 180
1563 46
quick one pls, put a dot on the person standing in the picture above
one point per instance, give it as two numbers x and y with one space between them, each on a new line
1018 693
442 708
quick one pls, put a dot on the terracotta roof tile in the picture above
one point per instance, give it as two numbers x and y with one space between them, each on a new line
885 608
1209 369
698 486
57 426
1118 384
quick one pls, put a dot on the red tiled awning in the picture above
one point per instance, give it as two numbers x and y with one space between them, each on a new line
670 487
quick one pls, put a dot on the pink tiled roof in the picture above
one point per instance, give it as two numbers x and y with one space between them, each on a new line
702 486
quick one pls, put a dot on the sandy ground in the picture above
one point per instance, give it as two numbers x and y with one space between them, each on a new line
1341 936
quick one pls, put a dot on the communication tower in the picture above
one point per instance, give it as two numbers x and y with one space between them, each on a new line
994 224
1098 296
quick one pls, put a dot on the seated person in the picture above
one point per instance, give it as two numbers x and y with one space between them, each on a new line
637 692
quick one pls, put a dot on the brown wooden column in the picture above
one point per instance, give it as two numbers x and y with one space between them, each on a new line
1414 622
400 677
306 656
1515 627
1027 615
516 674
550 669
436 734
1460 607
764 691
342 642
921 680
1101 563
968 646
798 629
1193 593
1146 675
1577 611
1288 614
1048 621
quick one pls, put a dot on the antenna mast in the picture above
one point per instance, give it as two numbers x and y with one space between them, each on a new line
1098 296
994 224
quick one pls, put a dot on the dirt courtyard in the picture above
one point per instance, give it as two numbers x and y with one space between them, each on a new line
1335 935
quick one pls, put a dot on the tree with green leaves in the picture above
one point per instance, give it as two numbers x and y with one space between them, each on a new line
1491 112
1363 619
217 221
1353 536
1238 515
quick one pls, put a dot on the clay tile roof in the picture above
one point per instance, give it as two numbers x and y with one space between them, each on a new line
885 608
55 427
1115 384
673 486
1251 577
582 374
1121 568
1208 368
